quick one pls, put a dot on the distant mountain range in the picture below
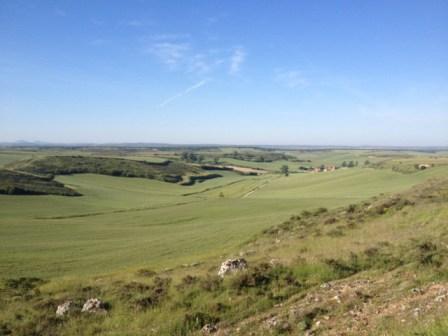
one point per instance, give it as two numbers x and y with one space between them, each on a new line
25 143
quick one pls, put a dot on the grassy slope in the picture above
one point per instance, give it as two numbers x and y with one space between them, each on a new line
63 165
382 299
7 157
378 289
124 222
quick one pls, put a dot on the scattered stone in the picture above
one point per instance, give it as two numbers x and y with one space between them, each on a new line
440 298
272 322
277 324
64 308
274 262
209 329
416 290
232 265
337 298
325 285
416 312
93 305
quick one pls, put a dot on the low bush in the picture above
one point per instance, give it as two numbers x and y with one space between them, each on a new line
211 283
192 322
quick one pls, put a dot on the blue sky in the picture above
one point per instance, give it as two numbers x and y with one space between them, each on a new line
228 72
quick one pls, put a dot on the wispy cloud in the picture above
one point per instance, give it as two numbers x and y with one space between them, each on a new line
179 53
236 60
183 93
169 53
291 79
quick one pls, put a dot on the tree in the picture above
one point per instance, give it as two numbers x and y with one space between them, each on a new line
351 164
216 160
344 164
366 162
284 170
192 157
184 156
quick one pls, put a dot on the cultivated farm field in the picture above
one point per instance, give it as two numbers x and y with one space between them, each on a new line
122 227
131 222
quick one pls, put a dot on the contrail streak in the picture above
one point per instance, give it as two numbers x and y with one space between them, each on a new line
183 93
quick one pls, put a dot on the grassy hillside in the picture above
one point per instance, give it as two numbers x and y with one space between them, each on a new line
167 171
143 219
328 252
371 268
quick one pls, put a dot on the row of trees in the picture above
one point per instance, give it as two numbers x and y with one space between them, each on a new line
192 157
349 164
196 158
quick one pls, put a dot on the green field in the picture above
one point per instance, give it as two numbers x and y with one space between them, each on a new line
150 249
130 222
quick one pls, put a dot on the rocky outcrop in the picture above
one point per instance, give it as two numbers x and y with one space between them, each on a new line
278 324
209 329
232 265
64 308
94 305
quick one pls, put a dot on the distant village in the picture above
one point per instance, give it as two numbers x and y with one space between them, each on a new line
350 164
328 168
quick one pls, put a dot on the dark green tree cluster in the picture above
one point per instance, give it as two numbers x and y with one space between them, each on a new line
284 170
257 157
349 164
192 157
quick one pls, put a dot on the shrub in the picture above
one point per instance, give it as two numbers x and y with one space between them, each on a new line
257 277
320 211
264 275
351 208
157 292
188 281
286 226
196 320
331 220
211 283
306 213
428 254
145 272
336 232
344 268
24 286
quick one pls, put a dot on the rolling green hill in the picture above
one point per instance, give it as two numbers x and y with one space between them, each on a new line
151 249
167 171
15 183
373 263
144 219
